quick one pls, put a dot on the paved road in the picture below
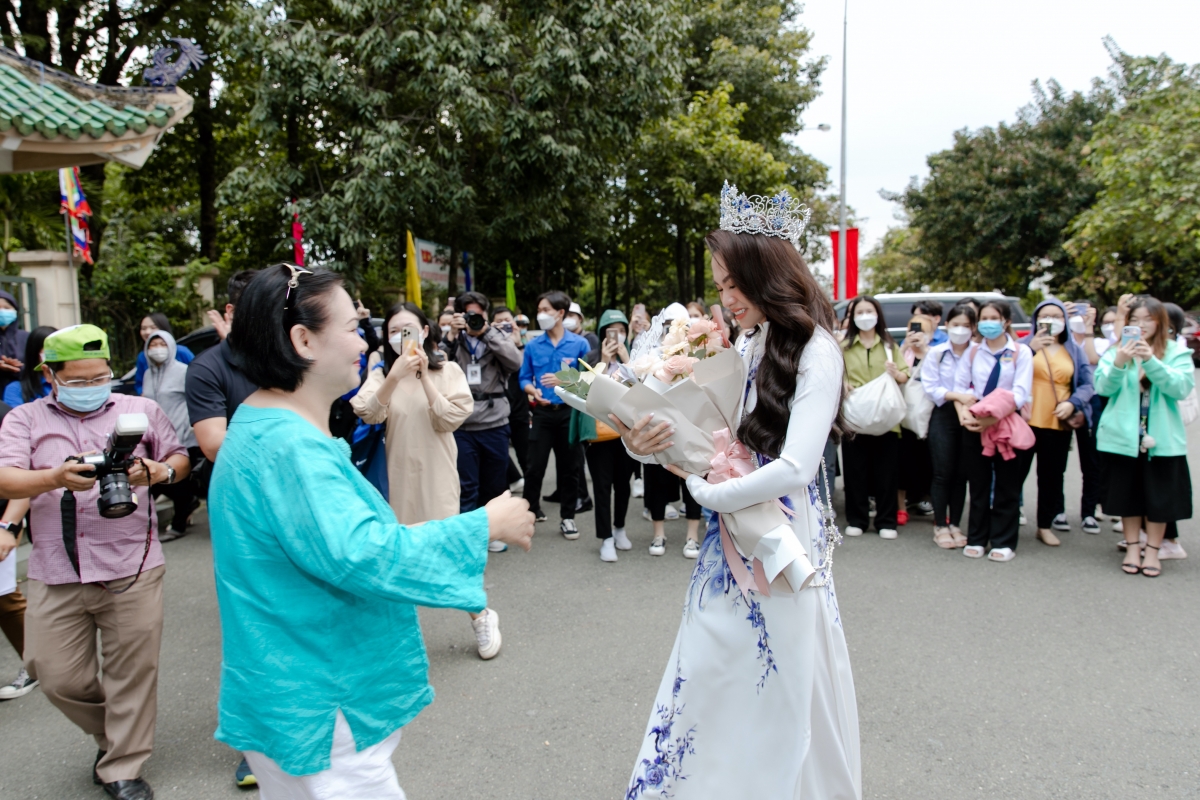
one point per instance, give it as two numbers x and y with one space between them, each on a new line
1052 676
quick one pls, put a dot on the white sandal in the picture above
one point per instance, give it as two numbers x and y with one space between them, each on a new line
973 551
1002 554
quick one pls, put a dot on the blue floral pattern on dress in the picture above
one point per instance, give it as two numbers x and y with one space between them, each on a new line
659 773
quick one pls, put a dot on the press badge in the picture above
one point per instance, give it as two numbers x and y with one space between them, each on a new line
474 374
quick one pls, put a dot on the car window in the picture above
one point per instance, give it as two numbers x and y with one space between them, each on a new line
896 313
1018 314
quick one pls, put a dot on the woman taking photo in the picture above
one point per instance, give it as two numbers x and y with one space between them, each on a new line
1061 402
949 489
914 472
423 398
1141 433
997 362
869 463
761 682
323 661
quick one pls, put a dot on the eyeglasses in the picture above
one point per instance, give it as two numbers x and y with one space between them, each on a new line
80 384
293 283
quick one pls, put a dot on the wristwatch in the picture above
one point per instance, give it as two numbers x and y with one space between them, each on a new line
11 527
170 474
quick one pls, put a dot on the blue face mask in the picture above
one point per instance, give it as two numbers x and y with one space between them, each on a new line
84 398
7 317
991 328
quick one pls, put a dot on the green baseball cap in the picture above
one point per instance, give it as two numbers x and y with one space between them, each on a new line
74 344
609 317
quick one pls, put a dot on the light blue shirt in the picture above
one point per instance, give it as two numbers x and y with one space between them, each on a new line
318 586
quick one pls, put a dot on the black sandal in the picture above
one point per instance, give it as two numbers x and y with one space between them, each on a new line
1156 570
1128 568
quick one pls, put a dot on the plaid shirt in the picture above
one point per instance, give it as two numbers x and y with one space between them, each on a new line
41 435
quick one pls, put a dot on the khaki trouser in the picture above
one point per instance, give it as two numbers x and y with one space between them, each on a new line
119 710
12 619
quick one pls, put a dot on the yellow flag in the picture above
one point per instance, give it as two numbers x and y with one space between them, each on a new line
413 282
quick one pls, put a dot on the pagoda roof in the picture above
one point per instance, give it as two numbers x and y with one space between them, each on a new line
50 119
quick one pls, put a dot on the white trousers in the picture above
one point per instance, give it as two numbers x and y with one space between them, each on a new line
352 774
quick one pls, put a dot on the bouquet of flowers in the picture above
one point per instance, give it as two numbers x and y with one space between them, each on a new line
689 376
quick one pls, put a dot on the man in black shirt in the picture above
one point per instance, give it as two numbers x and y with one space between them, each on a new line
215 387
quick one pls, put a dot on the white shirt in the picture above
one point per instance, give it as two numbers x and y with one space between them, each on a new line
938 369
1016 370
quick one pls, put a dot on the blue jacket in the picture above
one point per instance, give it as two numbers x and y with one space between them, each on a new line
542 356
1082 387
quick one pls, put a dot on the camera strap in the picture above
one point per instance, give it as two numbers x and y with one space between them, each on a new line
70 537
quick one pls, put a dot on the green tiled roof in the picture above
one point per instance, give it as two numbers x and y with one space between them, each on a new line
51 110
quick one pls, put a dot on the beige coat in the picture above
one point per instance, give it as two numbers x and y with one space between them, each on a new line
422 455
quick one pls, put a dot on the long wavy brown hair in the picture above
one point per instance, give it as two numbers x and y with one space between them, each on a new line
773 276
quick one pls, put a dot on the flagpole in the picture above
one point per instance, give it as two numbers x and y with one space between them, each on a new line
840 278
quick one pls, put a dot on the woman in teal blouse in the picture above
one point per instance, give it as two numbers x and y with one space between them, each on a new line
317 583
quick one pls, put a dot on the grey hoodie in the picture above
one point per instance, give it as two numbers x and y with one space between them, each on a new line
164 384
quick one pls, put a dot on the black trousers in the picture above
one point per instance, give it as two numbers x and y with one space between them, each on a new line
949 489
1092 467
183 494
611 469
663 487
1051 451
914 468
581 462
995 511
550 432
869 465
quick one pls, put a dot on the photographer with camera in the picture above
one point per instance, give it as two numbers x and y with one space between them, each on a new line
98 566
487 356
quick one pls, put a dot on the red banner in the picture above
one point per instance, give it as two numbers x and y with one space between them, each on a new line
851 262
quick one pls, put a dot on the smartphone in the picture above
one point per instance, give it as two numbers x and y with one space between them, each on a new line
1044 328
409 341
613 335
915 327
1130 333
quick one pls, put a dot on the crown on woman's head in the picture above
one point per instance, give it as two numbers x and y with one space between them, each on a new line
780 216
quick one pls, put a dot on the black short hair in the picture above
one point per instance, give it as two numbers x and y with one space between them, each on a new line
965 309
930 308
238 283
557 299
498 310
161 321
1178 320
467 298
261 333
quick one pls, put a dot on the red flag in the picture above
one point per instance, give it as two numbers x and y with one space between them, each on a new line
851 262
297 241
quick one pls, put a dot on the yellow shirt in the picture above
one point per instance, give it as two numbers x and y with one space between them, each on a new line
1045 395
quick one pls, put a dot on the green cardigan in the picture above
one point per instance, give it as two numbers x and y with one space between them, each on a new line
318 587
1171 380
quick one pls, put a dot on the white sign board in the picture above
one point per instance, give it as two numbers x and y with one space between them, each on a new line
433 264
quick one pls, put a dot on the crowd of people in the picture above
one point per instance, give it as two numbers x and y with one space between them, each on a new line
1117 384
444 417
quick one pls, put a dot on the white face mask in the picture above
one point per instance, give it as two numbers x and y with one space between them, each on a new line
1056 325
959 334
1078 325
445 329
1109 331
866 322
571 324
157 354
546 321
397 342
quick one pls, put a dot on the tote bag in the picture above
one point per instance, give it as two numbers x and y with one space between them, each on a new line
877 406
919 405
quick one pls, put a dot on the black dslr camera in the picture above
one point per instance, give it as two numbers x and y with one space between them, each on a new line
475 321
112 466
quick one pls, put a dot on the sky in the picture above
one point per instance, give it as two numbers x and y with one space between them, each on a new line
921 69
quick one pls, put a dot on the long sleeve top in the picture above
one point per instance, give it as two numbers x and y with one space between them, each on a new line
317 586
814 406
422 455
1016 370
937 371
1171 378
497 357
542 356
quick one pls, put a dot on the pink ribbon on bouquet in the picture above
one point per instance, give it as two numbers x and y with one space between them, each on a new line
733 460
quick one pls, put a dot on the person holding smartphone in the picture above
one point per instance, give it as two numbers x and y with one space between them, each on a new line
1061 403
915 472
1141 432
949 486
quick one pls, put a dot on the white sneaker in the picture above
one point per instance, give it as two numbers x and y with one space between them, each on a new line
888 533
621 539
568 530
1171 548
1020 517
1119 525
645 513
639 487
691 549
22 686
608 550
519 486
497 546
672 512
852 531
487 634
658 547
